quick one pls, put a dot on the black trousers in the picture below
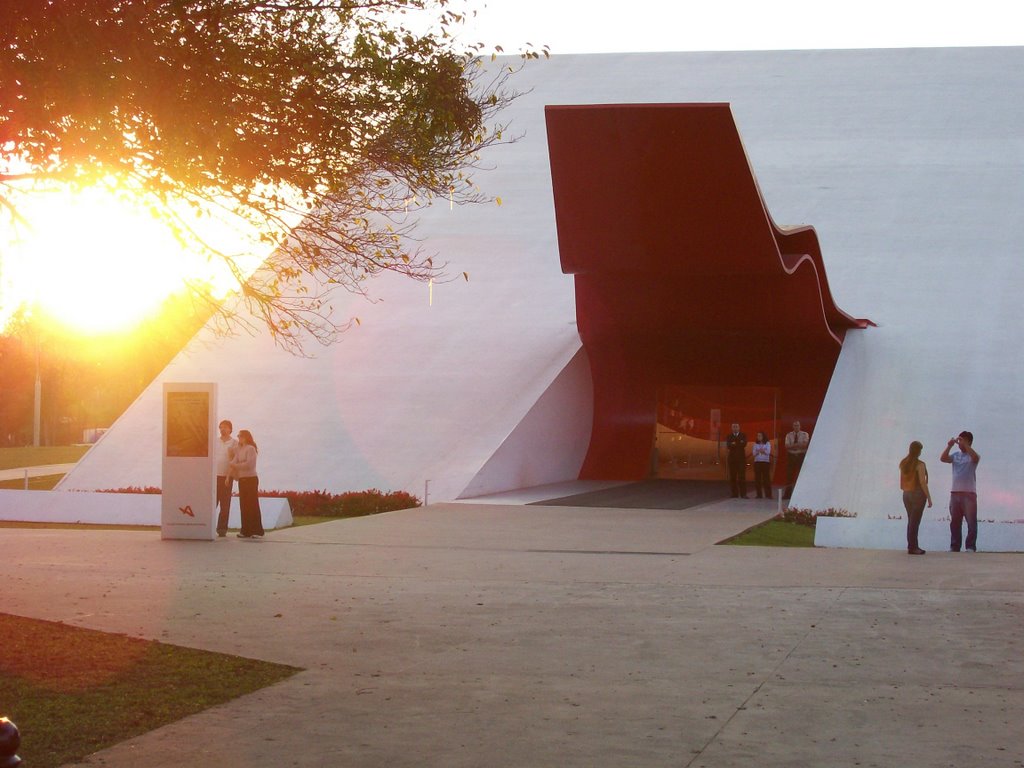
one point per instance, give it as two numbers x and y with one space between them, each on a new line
763 479
913 502
793 463
225 484
738 477
249 501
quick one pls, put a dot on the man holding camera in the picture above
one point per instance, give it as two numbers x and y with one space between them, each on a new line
963 497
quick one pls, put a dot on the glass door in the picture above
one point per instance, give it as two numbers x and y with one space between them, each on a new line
692 423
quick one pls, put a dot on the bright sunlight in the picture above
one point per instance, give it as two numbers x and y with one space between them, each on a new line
97 263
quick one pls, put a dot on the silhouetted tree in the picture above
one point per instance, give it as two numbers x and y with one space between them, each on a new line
322 123
87 380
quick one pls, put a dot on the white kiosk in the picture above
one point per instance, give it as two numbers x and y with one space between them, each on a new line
189 477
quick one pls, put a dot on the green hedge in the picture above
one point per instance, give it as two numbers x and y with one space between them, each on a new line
348 504
322 503
809 517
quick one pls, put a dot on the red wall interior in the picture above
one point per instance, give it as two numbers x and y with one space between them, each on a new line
682 279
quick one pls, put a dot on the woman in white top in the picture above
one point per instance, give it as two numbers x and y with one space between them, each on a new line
243 467
762 467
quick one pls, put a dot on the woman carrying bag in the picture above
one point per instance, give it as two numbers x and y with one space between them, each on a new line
914 483
243 468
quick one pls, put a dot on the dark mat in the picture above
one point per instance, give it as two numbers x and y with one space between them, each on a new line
647 494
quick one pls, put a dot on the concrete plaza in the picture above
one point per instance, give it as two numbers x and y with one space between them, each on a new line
514 635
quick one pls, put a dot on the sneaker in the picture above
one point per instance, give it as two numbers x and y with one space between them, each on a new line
917 551
221 534
243 535
971 549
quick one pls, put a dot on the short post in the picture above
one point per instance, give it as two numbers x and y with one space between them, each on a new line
426 491
26 478
10 740
780 490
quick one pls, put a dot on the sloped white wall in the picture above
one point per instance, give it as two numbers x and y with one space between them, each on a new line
389 410
559 423
418 391
920 208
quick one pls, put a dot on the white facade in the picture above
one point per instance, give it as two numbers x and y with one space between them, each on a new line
908 163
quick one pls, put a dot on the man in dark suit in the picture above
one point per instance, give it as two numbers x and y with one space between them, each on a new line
736 444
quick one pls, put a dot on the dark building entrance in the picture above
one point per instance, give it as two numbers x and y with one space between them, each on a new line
686 290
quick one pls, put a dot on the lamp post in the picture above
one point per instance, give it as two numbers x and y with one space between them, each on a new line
37 403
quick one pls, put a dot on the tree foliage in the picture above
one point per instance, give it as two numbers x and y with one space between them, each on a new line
86 380
324 124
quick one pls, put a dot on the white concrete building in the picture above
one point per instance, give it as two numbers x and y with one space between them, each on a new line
909 164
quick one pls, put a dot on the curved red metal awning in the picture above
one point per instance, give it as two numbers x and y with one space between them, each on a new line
681 275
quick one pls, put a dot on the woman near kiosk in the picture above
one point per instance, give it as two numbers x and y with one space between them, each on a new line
914 482
243 467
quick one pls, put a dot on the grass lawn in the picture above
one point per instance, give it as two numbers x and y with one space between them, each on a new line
12 458
775 533
41 483
73 691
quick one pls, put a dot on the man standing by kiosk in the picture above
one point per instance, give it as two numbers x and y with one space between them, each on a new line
226 446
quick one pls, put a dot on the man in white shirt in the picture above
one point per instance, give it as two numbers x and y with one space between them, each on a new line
225 452
963 497
796 447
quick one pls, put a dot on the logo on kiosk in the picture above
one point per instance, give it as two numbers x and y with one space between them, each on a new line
187 510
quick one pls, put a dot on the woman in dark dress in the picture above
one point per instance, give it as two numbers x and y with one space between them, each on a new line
243 467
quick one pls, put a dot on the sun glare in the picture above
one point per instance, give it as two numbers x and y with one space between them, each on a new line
96 262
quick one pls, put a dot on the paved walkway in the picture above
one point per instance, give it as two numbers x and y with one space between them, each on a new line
530 636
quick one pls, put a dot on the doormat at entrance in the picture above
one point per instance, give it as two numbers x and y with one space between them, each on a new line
647 494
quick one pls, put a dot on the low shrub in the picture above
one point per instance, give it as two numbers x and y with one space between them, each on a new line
809 517
149 489
322 503
348 504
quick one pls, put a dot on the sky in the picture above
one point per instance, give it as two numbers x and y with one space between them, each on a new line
592 26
